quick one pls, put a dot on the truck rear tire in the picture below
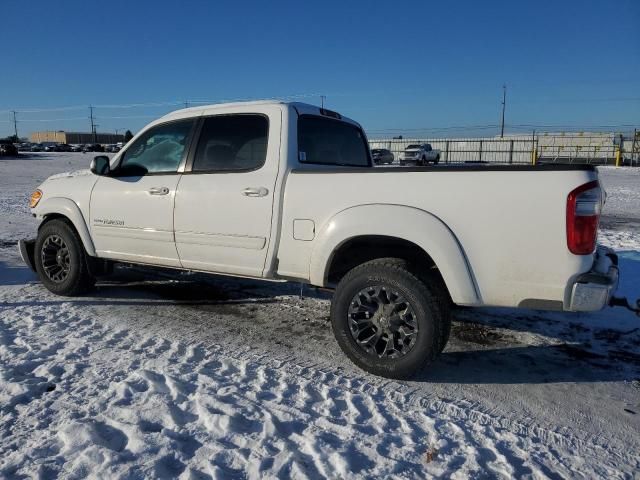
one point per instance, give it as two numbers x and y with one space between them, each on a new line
389 321
61 261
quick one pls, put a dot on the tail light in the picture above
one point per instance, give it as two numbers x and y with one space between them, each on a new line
583 214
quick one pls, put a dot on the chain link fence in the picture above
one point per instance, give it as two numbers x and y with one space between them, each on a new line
596 149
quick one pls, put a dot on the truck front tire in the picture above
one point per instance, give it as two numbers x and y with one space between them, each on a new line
389 321
61 261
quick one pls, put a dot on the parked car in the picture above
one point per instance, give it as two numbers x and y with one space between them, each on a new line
111 148
62 147
8 149
381 156
267 190
36 147
93 147
24 147
420 154
76 148
49 146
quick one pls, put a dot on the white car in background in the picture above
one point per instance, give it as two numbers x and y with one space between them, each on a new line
420 154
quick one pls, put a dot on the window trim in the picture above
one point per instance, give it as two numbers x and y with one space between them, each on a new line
188 169
185 153
331 119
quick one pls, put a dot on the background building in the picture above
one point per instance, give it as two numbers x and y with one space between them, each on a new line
60 136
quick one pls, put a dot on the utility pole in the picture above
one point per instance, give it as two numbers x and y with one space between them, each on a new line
93 125
504 104
15 124
186 104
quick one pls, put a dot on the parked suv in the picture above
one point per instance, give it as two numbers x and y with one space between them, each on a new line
381 156
8 149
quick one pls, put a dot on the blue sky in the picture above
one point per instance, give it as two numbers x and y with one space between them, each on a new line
390 65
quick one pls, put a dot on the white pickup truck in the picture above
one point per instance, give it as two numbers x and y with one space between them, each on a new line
287 192
420 154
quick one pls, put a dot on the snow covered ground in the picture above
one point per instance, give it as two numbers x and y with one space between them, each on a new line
196 377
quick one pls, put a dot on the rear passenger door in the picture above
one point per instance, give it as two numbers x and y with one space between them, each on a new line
224 201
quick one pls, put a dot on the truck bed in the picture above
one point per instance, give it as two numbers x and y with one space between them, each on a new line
509 220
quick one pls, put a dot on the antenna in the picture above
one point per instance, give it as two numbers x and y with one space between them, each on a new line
322 97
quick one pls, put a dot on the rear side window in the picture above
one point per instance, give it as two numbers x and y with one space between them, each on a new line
159 150
232 143
331 142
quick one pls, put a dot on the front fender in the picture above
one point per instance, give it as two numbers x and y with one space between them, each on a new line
407 223
69 209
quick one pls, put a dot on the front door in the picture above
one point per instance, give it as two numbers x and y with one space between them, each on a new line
225 198
132 209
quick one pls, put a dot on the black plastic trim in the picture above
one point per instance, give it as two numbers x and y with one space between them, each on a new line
450 168
27 252
606 279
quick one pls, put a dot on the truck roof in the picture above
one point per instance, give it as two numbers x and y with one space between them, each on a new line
299 106
221 106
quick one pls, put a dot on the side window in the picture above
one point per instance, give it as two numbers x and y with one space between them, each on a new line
327 141
232 143
159 150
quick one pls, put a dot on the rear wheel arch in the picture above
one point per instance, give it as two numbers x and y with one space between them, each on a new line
402 232
364 248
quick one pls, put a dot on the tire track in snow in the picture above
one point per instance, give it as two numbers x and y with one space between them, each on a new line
126 402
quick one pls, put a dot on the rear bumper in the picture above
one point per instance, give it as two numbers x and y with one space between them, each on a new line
27 248
592 290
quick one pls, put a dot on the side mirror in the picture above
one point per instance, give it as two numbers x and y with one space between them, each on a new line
100 165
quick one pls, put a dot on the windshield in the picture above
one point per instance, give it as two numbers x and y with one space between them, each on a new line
331 142
413 146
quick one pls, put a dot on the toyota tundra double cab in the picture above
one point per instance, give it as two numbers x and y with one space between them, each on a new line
288 192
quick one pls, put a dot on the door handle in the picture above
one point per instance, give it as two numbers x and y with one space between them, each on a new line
158 191
255 192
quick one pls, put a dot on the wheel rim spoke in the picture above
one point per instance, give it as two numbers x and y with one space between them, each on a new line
56 260
382 322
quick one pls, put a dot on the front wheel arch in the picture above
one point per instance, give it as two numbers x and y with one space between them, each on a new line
60 207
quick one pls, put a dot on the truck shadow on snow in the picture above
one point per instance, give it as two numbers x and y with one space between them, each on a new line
487 346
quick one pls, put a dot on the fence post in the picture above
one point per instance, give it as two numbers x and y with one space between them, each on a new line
533 148
617 156
510 151
633 146
446 152
480 159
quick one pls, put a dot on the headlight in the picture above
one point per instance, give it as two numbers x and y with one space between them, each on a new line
35 198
